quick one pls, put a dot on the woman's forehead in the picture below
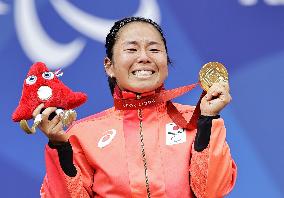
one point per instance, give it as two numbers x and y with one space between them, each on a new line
139 31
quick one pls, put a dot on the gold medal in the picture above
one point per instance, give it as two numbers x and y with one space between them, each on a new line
212 72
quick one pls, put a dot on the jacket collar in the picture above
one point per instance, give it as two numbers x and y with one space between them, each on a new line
129 100
118 93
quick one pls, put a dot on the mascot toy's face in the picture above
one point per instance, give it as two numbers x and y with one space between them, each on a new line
43 86
42 82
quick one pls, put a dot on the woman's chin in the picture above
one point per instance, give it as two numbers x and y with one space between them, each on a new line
144 87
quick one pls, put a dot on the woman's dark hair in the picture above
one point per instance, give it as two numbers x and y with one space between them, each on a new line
112 36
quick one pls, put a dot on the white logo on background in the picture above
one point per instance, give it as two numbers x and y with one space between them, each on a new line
174 134
39 46
106 139
95 27
268 2
4 8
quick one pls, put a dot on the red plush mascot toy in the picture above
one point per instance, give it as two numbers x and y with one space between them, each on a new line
43 86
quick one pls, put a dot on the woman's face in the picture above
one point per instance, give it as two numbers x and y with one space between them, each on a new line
139 61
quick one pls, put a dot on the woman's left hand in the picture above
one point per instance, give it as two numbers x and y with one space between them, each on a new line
216 99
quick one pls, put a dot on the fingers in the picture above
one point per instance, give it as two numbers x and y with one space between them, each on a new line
53 129
56 132
54 121
37 110
213 95
47 112
218 90
225 97
56 126
46 125
216 99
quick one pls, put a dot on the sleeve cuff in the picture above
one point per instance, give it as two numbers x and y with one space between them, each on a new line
65 154
202 137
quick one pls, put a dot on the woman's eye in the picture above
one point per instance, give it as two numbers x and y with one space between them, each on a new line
48 75
154 50
131 49
31 80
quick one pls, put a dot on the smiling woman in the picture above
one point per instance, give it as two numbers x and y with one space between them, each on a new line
141 150
139 60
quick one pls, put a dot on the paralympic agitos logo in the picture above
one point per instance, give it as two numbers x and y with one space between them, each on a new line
268 2
38 45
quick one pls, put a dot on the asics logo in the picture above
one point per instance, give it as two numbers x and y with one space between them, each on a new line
107 138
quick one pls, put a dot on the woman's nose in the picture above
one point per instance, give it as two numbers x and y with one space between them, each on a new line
143 57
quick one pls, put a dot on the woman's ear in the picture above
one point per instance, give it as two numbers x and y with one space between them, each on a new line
108 67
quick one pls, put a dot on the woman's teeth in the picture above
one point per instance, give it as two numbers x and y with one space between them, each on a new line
143 73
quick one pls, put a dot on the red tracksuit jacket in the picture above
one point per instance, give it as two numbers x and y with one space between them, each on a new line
108 156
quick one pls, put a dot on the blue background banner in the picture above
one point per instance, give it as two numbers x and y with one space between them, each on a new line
245 35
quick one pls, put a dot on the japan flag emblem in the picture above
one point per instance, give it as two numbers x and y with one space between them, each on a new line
174 134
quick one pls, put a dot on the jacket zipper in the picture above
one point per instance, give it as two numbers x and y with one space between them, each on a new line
143 150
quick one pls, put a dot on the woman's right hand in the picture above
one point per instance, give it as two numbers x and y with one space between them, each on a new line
53 129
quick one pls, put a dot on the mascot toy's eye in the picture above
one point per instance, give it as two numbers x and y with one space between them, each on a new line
48 75
31 80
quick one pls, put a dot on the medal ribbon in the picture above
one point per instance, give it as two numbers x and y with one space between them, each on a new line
162 97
